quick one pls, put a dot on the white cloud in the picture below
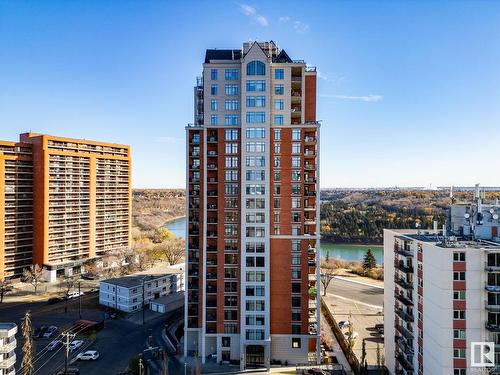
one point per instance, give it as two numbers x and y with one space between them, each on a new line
300 27
251 12
247 10
284 18
365 98
170 140
261 20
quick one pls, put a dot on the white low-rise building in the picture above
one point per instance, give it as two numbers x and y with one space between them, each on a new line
7 347
128 293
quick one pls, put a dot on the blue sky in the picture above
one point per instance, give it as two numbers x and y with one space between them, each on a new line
408 91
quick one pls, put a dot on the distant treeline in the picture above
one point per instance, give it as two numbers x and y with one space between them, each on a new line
360 217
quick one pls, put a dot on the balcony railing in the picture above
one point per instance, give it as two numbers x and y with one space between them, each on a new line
492 327
404 362
491 267
403 314
400 265
407 334
403 299
492 307
403 283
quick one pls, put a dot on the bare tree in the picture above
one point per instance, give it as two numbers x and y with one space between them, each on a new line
5 287
27 349
328 272
33 275
171 250
67 284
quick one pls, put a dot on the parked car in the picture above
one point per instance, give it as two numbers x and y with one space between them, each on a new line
39 331
54 300
51 331
72 295
54 344
344 324
89 276
71 371
89 355
75 344
94 290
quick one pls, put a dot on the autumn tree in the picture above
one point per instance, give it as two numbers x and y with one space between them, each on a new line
171 250
33 275
28 348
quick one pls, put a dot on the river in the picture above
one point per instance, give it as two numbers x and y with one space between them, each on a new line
336 251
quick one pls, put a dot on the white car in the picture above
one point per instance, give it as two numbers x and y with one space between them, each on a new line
354 335
54 344
89 355
51 331
72 295
75 344
344 324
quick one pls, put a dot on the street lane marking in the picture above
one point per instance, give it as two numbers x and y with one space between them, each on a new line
356 301
357 282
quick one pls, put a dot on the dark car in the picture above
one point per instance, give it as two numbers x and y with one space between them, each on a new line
71 371
54 300
89 276
40 331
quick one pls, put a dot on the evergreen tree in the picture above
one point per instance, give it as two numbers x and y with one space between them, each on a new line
369 261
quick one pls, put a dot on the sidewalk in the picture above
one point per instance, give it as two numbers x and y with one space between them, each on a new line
348 276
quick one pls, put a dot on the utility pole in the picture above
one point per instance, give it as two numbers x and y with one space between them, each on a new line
143 301
79 300
68 336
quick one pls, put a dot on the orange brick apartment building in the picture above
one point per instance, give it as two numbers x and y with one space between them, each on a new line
62 202
253 212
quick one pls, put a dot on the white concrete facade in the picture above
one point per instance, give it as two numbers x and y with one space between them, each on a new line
453 299
8 345
127 294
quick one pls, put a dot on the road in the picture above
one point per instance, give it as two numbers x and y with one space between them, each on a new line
357 292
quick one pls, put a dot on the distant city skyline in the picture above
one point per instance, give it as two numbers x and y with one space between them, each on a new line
407 95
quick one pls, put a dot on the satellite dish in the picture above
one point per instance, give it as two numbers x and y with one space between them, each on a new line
466 216
492 210
495 217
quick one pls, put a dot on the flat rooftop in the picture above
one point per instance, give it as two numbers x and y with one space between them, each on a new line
451 241
7 326
135 280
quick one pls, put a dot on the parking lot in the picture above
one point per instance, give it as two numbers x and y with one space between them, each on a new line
119 340
363 319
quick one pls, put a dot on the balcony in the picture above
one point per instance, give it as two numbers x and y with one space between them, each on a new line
405 348
8 362
404 362
402 251
491 267
492 307
403 299
212 140
212 153
403 314
309 167
404 331
492 288
211 276
212 167
400 265
309 153
212 207
492 327
7 348
309 139
403 283
211 289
